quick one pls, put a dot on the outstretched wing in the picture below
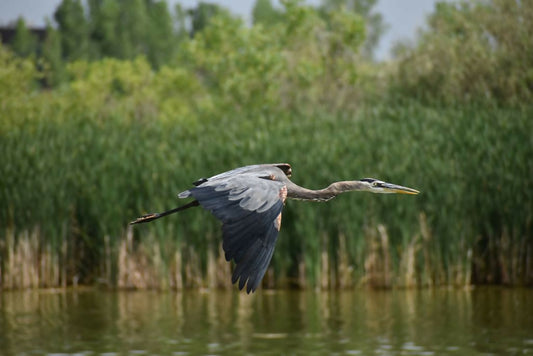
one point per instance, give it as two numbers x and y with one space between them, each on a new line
249 206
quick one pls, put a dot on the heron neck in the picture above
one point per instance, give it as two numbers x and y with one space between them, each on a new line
296 192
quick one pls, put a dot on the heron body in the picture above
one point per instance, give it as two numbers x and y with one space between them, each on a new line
249 201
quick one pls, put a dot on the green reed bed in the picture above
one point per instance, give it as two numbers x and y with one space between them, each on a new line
117 139
72 181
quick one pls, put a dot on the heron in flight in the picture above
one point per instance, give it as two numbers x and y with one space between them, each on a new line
248 201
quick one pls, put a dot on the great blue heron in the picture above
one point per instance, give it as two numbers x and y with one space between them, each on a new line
249 200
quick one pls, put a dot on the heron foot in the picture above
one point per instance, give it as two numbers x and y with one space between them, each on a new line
144 218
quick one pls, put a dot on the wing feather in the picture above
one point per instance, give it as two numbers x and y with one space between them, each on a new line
262 261
248 205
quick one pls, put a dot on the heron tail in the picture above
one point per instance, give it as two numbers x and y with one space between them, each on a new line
154 216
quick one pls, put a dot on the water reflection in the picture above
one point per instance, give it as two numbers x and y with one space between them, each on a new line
220 322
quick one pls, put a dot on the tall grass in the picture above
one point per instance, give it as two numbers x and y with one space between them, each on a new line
120 139
72 179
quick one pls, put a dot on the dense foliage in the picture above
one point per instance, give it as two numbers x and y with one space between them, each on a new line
472 51
126 29
121 138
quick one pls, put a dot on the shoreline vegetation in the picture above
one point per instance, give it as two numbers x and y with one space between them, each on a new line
142 265
116 138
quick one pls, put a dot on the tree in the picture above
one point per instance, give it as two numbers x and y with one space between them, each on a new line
161 39
24 43
54 71
301 62
473 50
264 13
122 29
104 18
180 20
131 31
74 29
203 13
375 26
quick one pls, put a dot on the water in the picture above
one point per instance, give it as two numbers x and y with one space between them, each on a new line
429 322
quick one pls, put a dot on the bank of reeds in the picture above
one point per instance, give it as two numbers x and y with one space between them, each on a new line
79 163
31 263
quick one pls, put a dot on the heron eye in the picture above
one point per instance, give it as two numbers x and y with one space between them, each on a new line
374 184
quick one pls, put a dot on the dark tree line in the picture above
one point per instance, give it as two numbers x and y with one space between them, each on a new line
111 28
125 29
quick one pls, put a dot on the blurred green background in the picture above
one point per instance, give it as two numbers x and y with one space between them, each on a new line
123 104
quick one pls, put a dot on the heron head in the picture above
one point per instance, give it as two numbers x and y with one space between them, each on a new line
378 186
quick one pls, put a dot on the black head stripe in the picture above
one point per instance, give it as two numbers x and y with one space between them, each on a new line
368 180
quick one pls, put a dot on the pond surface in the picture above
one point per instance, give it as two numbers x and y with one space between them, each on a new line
427 322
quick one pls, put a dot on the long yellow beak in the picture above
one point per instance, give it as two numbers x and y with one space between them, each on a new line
398 189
